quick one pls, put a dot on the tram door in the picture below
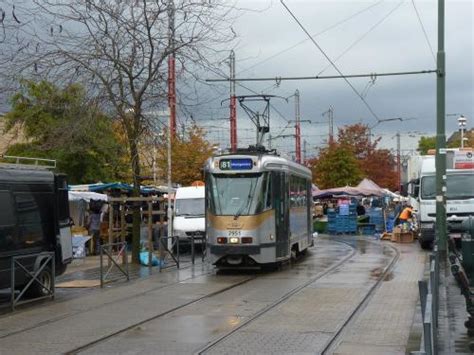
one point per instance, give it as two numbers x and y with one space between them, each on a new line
282 219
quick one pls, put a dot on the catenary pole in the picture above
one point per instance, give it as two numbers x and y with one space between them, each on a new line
172 70
297 127
233 104
441 134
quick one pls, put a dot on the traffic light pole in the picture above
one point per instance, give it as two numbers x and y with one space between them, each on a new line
441 135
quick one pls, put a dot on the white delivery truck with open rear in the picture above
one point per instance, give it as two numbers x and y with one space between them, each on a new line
459 192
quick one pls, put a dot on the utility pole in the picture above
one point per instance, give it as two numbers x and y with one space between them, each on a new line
233 104
330 113
297 127
398 162
171 70
441 135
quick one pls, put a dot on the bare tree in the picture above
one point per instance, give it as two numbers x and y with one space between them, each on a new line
118 49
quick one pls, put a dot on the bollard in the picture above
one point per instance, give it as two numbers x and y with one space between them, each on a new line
423 288
428 327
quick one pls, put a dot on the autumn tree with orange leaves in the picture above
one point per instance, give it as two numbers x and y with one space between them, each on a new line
188 155
354 156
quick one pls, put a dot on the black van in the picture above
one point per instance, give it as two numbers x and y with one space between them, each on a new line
34 217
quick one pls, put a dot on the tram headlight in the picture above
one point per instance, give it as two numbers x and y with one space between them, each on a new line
233 240
247 240
221 240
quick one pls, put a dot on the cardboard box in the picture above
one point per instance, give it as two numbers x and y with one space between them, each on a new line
402 237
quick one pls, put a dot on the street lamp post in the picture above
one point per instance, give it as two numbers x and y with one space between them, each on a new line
462 123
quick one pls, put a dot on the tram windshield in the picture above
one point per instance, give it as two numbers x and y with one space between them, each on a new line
239 194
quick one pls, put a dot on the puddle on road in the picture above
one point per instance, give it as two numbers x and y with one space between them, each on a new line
387 251
362 246
377 273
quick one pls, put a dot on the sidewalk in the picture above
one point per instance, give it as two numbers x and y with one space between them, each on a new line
452 335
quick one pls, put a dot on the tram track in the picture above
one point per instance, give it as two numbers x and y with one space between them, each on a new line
334 341
91 344
71 314
118 332
282 299
110 336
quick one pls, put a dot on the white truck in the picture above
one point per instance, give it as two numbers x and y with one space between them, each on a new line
189 213
459 192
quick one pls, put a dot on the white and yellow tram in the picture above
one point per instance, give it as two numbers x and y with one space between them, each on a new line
258 209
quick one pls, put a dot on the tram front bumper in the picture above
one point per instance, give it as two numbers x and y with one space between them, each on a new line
235 249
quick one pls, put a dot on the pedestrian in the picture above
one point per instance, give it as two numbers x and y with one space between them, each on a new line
405 215
360 209
94 230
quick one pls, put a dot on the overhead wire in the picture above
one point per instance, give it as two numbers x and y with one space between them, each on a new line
363 36
316 34
330 61
424 30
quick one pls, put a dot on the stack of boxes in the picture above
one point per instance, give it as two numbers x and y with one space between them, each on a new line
376 217
343 222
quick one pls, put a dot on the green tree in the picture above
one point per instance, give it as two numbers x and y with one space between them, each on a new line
336 166
62 124
426 143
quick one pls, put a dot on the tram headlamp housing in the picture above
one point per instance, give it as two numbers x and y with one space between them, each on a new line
233 240
221 240
246 240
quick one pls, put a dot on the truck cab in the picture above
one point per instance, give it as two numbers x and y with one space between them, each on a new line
34 218
459 193
189 213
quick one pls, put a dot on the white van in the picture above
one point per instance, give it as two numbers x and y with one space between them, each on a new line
189 213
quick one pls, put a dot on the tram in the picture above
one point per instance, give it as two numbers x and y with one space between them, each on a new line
258 209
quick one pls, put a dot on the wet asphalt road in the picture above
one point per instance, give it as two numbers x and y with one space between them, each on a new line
300 308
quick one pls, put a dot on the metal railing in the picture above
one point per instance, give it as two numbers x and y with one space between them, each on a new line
29 161
192 238
429 299
113 260
163 249
18 267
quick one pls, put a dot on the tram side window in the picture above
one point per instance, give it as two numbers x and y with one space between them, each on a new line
268 200
292 191
303 192
264 201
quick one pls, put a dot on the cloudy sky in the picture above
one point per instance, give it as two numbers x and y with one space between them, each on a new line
367 37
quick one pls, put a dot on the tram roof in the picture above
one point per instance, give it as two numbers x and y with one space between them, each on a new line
262 162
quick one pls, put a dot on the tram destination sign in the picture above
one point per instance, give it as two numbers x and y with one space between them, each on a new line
235 164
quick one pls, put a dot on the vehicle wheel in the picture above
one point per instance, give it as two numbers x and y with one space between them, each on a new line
60 269
426 245
46 278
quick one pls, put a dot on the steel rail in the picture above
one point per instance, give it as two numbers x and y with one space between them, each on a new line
282 299
73 313
109 336
335 340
